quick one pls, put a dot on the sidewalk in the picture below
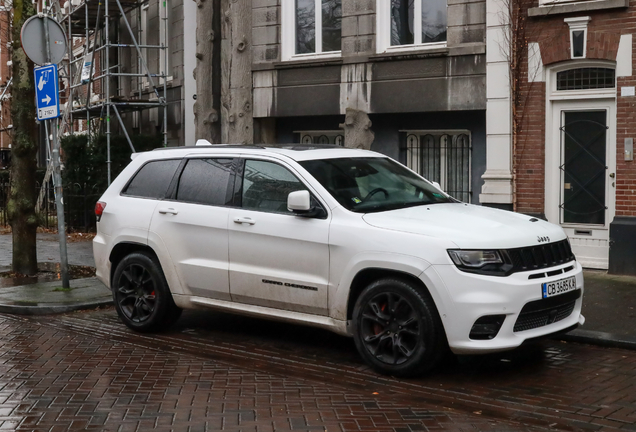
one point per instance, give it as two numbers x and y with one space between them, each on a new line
609 308
50 297
609 302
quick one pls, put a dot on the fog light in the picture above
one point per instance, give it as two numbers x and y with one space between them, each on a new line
486 327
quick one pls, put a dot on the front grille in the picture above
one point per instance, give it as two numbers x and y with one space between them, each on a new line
541 256
542 312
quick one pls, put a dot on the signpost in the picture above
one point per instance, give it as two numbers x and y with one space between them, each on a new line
44 42
47 92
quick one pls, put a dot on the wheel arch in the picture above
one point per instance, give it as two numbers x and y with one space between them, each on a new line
366 276
121 250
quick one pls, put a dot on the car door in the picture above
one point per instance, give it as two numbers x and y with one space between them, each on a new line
193 225
277 259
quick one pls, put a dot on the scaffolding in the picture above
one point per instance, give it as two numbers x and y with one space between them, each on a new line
100 31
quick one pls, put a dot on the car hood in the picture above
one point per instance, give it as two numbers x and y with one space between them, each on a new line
469 226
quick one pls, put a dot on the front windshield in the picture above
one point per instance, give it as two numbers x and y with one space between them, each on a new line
366 185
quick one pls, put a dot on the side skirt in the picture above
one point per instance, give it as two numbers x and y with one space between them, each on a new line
192 302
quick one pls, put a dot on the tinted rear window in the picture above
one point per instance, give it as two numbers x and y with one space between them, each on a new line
205 181
153 179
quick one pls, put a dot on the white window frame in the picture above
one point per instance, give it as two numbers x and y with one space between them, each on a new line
143 40
578 24
554 94
383 29
548 3
164 33
288 33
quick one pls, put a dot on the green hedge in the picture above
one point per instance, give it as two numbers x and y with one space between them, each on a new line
85 163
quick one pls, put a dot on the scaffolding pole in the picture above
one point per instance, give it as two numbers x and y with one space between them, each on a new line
93 22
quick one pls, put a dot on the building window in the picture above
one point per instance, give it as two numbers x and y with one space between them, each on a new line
335 137
578 36
311 28
586 79
411 24
441 156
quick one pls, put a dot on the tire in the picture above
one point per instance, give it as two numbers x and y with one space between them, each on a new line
397 329
140 291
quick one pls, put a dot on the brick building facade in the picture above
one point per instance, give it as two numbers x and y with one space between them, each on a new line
573 156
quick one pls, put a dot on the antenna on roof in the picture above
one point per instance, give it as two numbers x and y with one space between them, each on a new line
203 142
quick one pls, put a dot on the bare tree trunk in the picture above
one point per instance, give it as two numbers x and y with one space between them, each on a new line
206 116
236 72
21 206
357 128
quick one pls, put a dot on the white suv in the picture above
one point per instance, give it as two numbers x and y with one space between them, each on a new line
343 239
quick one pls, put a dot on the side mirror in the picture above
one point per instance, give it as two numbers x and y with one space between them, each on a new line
299 201
437 185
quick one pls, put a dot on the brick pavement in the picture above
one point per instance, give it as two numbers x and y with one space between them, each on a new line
553 385
83 372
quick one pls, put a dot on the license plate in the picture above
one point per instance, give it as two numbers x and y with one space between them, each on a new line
561 286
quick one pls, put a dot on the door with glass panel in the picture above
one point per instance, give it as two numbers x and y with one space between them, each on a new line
586 173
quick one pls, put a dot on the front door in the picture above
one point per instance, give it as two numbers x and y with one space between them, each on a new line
277 259
585 177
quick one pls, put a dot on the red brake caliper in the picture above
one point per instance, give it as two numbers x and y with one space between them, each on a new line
377 328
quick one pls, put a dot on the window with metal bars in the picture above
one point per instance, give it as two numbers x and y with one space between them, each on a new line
320 137
441 156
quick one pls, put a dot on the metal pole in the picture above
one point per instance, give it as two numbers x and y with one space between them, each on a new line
107 52
123 127
165 52
57 173
87 41
59 202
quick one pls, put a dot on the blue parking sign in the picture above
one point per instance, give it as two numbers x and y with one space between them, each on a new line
47 92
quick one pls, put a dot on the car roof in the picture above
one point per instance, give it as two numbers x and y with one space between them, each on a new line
297 152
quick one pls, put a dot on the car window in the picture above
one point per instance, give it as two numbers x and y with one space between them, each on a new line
205 181
373 184
153 179
266 186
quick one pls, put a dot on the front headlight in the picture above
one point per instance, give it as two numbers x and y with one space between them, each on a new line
487 262
475 258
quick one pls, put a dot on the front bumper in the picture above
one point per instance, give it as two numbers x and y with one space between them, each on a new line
466 297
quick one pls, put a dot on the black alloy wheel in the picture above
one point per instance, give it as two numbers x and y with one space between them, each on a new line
390 328
397 329
136 293
141 294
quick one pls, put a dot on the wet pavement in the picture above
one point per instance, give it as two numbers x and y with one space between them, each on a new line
213 372
48 250
87 371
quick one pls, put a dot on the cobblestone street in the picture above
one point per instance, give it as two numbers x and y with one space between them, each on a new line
216 372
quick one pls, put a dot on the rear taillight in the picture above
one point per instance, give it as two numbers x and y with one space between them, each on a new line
99 209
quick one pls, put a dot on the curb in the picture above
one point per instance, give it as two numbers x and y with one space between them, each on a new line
48 309
610 340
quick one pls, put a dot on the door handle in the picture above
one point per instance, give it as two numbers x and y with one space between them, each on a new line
168 211
242 220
